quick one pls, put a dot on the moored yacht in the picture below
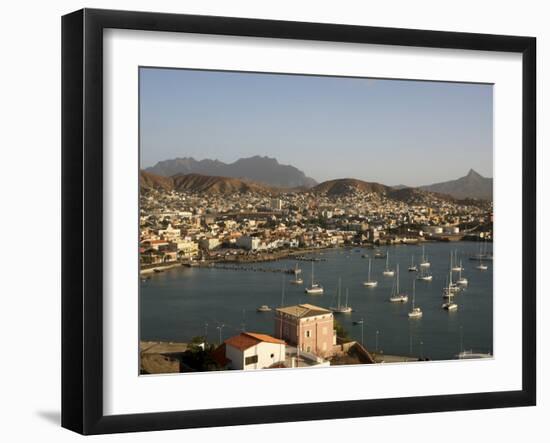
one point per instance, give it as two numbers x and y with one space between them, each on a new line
370 283
341 308
413 267
424 275
454 262
462 281
449 305
424 263
396 296
315 288
415 312
388 272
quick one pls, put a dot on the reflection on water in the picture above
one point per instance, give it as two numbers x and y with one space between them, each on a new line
185 302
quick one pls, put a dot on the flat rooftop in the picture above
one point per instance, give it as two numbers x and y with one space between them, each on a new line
304 310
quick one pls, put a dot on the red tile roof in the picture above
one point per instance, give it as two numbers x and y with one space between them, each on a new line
266 338
246 340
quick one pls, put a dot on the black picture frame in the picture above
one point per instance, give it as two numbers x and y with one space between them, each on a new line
82 218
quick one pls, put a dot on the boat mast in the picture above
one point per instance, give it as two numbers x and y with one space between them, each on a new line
398 279
369 269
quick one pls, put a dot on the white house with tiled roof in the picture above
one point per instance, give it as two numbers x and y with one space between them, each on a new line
250 350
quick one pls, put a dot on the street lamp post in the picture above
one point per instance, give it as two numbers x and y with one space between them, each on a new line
219 328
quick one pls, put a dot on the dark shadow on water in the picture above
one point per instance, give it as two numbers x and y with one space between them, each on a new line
54 417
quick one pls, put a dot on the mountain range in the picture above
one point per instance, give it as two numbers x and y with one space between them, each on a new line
258 169
333 188
267 175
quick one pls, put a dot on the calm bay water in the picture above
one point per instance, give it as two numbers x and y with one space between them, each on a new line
181 303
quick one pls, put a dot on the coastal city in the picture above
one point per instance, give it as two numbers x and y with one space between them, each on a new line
216 223
312 221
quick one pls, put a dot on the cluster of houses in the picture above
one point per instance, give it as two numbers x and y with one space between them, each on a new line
177 226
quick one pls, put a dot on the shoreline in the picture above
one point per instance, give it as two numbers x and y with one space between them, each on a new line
270 257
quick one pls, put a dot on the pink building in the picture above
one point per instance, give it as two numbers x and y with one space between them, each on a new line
310 328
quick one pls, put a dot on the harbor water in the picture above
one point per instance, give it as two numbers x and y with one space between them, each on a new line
181 303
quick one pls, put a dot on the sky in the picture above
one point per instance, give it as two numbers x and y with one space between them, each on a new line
387 131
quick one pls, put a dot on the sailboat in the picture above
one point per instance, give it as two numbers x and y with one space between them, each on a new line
482 266
396 297
415 312
315 288
340 308
413 267
297 280
453 287
449 305
424 263
424 275
463 281
370 283
388 272
469 354
454 267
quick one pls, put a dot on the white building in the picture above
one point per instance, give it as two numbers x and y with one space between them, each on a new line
248 242
250 350
209 243
276 204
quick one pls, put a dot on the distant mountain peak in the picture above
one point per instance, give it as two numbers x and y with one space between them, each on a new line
474 174
472 185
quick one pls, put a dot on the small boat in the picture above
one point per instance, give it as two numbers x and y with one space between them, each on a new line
396 296
388 272
450 288
158 271
462 281
297 280
341 308
469 354
413 267
370 283
424 275
379 254
263 308
415 312
465 355
449 305
357 322
482 266
424 263
454 267
315 288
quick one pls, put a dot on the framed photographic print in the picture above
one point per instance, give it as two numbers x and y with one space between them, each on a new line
269 221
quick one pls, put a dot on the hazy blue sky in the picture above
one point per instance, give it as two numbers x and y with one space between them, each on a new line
389 131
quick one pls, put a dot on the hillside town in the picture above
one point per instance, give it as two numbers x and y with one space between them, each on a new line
193 228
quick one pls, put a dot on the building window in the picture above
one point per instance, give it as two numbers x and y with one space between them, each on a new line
308 349
308 334
272 355
250 360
